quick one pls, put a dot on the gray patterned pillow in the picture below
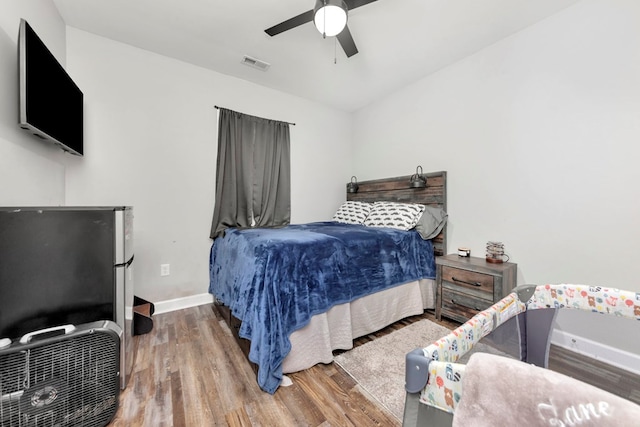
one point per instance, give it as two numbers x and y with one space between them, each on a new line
352 212
403 216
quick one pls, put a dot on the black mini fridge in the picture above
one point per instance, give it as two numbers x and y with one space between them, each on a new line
67 266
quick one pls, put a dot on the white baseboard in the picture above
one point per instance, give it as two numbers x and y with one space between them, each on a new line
180 303
596 350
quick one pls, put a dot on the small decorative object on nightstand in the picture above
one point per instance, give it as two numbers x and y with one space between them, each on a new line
467 285
495 252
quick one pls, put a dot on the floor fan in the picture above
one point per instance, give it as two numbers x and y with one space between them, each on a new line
63 376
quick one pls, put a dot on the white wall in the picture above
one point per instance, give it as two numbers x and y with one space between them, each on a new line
539 134
151 141
31 171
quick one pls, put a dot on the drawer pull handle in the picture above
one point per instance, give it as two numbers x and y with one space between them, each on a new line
454 302
468 283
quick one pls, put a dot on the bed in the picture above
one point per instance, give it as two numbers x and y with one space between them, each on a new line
448 384
293 295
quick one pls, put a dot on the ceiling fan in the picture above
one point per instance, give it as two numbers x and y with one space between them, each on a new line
322 10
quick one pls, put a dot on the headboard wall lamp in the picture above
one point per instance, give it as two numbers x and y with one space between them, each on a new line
418 180
352 187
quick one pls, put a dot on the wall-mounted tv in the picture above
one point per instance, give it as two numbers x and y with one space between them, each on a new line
51 104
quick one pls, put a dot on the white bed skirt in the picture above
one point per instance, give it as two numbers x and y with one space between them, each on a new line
338 327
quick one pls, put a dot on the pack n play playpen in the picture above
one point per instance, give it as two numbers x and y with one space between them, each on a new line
443 388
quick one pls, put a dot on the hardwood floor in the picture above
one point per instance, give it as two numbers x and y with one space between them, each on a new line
190 372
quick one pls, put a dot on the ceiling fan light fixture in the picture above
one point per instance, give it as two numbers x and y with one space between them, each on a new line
330 17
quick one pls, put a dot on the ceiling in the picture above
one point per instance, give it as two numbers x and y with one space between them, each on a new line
399 41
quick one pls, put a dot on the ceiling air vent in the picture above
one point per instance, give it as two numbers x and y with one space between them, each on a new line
255 63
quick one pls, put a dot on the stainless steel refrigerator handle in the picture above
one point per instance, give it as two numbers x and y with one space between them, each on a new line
125 264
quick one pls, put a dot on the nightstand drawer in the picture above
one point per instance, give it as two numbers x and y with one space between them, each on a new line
455 300
478 283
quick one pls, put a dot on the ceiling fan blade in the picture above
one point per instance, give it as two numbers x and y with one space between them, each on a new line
347 43
352 4
296 21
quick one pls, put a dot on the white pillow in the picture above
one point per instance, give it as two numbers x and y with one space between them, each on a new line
402 216
352 212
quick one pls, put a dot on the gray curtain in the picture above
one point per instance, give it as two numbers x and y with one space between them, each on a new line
253 175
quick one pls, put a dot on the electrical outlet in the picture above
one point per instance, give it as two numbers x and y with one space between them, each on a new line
164 269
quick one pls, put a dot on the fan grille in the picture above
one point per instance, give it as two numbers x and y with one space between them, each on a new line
72 382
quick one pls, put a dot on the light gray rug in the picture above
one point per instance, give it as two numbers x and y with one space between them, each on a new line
378 366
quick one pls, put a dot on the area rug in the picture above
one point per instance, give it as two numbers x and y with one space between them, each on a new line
378 366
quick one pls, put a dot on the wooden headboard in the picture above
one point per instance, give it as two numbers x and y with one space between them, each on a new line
397 190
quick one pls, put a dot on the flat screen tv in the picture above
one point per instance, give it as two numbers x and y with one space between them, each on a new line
50 102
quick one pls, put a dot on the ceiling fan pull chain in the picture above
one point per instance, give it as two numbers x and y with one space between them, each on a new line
335 50
324 23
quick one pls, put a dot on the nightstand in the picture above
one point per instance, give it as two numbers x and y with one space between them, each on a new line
467 285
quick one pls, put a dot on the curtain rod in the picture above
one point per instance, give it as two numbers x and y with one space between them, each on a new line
289 123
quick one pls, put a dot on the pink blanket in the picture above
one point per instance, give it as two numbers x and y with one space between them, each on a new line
497 391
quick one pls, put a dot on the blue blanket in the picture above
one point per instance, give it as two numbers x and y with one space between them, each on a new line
275 280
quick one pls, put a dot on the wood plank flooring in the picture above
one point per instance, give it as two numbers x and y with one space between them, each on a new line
190 372
607 377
